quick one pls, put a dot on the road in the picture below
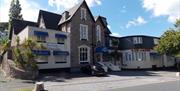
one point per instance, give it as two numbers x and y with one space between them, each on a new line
165 86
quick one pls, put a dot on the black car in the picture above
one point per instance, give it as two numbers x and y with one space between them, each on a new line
95 69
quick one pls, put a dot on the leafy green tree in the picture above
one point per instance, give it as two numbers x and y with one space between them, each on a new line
3 26
115 54
169 43
14 13
15 10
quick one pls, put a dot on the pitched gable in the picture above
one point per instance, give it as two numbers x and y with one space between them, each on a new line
103 21
50 19
73 10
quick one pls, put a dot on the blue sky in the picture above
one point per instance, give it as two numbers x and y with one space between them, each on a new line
125 17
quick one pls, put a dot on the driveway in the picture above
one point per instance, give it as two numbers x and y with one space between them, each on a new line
81 82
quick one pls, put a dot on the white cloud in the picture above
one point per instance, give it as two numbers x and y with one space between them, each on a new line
170 8
136 22
30 10
115 34
66 4
109 26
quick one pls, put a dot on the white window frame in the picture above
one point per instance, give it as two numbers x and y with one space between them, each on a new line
83 14
98 33
88 54
41 38
137 40
60 40
42 58
83 32
42 25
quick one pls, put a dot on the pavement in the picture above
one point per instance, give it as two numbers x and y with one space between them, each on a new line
165 86
81 82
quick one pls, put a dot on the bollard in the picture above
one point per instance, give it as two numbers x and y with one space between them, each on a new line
39 86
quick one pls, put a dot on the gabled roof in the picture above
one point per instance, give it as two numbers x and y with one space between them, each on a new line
103 21
19 25
73 10
51 20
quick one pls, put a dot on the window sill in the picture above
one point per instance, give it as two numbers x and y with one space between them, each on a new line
84 40
60 62
84 62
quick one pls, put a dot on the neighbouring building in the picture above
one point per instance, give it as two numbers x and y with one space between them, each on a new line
76 34
137 52
87 34
45 32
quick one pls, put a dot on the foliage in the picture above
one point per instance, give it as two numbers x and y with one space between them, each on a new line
26 61
3 40
115 55
115 42
4 25
170 41
15 10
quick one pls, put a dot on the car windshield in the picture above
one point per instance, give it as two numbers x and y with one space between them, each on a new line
97 64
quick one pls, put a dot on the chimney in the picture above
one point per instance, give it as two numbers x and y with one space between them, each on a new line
65 15
104 20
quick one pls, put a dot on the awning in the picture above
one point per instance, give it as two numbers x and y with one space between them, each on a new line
41 52
60 53
40 33
60 36
155 54
101 50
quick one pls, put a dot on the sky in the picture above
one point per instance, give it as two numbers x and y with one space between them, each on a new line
125 17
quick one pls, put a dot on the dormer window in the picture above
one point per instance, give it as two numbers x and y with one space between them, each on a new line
83 14
137 40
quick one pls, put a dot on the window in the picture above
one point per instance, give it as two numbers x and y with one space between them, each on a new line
83 32
41 39
83 14
42 25
98 33
42 59
60 40
137 40
83 54
156 41
140 56
60 59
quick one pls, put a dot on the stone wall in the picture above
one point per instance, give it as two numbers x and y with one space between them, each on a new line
10 70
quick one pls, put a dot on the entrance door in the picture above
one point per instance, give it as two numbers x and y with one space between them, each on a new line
99 57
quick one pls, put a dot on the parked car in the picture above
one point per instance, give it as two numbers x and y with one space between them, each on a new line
97 69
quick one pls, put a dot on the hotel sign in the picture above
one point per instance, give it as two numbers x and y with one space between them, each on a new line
52 45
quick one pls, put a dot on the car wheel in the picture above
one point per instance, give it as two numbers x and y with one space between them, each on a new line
93 73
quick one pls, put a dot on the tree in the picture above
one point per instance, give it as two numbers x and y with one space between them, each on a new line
14 13
115 54
15 10
170 41
3 26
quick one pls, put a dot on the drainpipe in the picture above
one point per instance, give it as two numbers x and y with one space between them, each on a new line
92 44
